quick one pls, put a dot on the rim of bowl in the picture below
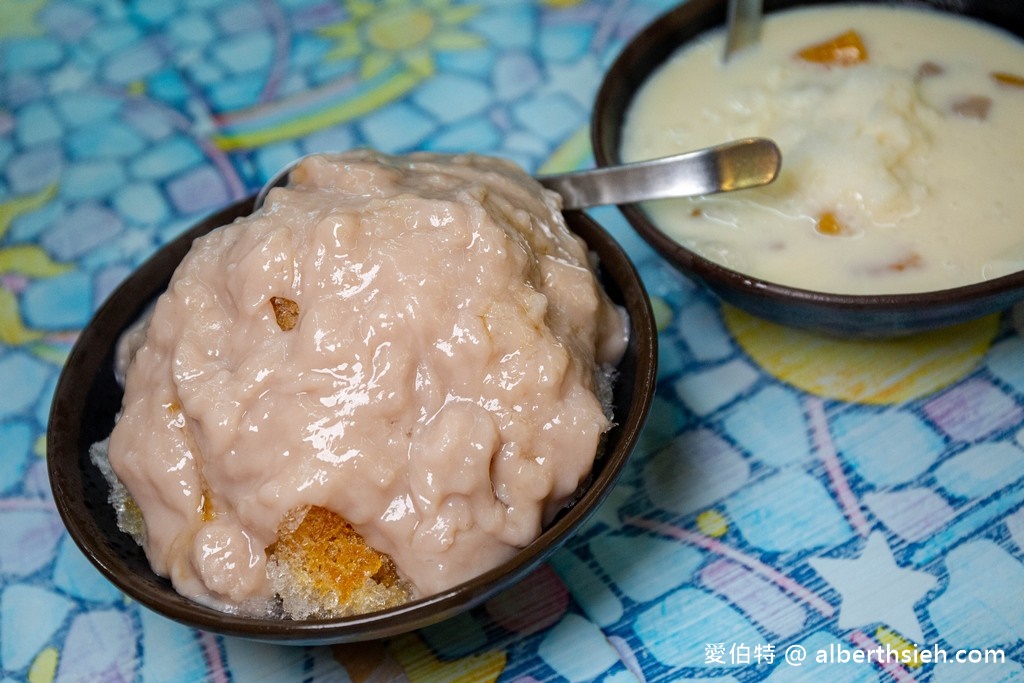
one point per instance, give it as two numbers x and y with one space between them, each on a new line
89 363
867 315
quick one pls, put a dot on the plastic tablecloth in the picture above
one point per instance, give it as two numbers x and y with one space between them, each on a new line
799 508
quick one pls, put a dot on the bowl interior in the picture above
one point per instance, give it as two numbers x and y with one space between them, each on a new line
88 397
871 316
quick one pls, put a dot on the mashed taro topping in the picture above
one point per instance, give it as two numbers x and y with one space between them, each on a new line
415 347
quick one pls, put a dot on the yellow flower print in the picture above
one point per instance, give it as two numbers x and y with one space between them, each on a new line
21 261
392 44
383 34
20 18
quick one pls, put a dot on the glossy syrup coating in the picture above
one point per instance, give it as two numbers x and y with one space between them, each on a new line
415 344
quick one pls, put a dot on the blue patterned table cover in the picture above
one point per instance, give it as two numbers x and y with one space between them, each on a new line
856 502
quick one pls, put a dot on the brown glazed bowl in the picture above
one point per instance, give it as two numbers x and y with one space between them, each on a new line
88 397
874 316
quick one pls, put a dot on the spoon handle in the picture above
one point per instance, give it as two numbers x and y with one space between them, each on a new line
734 165
743 25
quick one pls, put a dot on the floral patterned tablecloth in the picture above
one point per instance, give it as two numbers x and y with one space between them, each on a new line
861 503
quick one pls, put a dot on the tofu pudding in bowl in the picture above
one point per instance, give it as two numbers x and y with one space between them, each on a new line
371 404
895 209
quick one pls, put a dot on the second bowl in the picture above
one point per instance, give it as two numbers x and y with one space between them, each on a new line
868 316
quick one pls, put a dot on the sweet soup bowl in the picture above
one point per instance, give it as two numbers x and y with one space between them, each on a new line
88 398
876 315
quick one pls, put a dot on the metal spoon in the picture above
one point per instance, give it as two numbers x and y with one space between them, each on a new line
750 162
743 25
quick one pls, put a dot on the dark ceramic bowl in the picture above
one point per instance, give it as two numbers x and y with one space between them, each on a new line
87 398
838 314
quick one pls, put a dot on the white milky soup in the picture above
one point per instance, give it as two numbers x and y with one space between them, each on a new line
903 152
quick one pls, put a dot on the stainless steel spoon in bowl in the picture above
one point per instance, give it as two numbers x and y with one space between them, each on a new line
736 165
